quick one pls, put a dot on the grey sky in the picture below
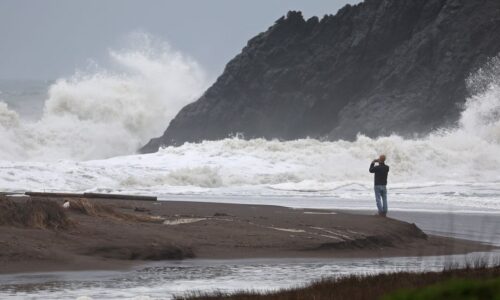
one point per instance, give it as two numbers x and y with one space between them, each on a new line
48 39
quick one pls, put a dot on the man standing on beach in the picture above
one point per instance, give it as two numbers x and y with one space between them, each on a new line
380 171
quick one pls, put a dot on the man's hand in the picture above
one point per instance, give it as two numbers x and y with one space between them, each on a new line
375 160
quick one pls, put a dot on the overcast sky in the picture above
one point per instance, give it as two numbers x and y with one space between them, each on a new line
48 39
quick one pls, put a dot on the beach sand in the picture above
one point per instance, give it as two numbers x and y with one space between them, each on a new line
117 234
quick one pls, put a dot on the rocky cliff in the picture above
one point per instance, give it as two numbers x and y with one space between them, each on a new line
379 67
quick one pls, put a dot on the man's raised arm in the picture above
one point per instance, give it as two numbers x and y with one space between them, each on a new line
372 166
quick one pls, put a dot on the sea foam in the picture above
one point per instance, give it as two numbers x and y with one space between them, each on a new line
90 121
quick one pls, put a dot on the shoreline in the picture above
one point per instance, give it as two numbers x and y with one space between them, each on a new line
132 233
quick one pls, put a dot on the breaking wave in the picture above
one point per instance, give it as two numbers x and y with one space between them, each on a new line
468 153
106 113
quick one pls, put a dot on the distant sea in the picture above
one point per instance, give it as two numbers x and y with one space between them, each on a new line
26 97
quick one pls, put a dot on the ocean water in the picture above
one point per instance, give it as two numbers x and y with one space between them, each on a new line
90 126
80 134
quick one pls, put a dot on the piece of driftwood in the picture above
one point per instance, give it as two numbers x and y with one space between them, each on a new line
10 193
120 197
51 194
92 195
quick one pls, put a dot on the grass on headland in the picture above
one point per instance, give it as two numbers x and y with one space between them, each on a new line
370 287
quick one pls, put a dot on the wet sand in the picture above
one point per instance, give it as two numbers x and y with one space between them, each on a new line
177 230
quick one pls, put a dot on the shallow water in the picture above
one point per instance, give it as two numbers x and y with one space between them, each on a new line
166 279
163 280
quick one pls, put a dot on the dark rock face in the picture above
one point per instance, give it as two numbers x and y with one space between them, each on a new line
380 67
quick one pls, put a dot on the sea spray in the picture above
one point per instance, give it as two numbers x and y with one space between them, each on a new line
108 112
453 166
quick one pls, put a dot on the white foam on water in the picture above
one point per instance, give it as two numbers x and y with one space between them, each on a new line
108 114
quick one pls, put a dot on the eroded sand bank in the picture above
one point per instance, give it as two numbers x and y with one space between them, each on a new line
116 234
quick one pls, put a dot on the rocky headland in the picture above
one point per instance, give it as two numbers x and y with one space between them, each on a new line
376 68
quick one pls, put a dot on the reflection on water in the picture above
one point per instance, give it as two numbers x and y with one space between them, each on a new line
476 227
164 280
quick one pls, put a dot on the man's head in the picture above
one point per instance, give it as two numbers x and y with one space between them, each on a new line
381 158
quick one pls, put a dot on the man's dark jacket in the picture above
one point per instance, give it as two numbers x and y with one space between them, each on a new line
381 172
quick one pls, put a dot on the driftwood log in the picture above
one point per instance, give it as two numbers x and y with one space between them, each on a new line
92 195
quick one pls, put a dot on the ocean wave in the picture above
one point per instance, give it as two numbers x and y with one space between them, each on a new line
106 113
